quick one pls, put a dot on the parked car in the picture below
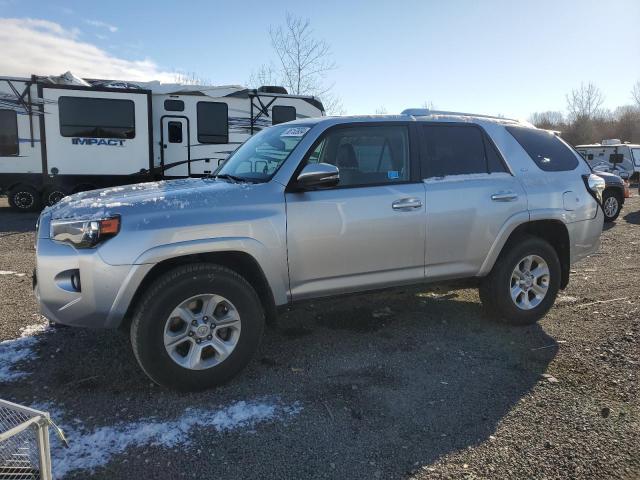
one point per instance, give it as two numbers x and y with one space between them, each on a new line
613 195
192 268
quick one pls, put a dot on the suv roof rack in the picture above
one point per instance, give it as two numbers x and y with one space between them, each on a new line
423 112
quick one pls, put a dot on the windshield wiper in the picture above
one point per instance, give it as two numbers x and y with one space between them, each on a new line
228 176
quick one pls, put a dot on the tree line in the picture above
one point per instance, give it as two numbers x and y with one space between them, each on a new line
586 121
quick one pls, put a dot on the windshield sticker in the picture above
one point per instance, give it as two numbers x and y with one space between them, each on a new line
294 132
393 174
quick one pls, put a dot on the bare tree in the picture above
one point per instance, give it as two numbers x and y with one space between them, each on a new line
264 75
382 110
429 105
190 78
635 93
302 64
304 59
585 102
550 120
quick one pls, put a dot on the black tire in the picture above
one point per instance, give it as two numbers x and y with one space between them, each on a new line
24 198
495 288
164 295
615 197
53 195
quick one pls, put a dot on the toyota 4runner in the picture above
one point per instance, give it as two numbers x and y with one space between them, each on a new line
193 268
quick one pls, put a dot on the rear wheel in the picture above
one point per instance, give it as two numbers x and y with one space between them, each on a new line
53 195
611 205
523 283
196 327
24 198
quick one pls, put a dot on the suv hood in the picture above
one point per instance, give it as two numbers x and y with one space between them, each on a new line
145 198
609 178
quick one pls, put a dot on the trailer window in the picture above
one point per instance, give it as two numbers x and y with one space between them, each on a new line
213 122
96 117
174 105
282 114
175 132
8 133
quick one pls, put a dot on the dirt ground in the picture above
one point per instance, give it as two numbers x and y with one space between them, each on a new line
415 383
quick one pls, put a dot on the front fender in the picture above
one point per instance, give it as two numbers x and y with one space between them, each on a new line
273 264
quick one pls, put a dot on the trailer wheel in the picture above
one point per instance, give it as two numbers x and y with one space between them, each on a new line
53 195
24 198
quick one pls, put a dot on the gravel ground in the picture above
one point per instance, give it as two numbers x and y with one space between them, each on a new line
413 383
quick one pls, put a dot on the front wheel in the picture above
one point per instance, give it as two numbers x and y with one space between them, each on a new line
196 327
611 205
524 282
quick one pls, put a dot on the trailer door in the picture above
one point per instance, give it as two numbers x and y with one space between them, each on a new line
176 151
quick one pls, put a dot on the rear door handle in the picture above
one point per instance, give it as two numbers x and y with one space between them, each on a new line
406 204
504 196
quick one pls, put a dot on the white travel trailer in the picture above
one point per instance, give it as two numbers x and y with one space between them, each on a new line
612 156
61 135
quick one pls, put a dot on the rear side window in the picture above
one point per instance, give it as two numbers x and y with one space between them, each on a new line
96 117
213 122
8 133
457 150
545 148
281 114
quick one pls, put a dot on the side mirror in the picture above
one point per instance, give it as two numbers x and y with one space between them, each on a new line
319 175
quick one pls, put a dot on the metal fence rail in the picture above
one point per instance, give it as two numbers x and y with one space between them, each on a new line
24 443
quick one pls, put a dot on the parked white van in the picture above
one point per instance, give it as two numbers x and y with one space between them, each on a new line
61 135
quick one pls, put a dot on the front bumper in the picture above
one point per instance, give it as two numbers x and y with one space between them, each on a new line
99 299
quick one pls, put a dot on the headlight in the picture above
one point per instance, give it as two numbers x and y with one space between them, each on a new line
85 233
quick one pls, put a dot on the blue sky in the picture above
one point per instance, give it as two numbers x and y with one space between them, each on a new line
495 57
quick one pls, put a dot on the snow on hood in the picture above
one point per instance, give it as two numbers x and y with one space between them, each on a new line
166 195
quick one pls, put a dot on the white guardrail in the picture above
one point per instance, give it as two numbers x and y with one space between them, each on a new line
24 443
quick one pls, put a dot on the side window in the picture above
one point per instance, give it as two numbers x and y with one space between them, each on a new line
454 150
281 114
8 133
175 132
494 160
174 105
545 149
213 122
96 117
368 155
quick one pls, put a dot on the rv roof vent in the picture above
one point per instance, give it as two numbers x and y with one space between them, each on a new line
272 89
611 141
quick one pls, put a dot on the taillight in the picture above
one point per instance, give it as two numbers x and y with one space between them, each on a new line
595 185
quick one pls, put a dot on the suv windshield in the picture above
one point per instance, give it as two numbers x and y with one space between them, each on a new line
257 159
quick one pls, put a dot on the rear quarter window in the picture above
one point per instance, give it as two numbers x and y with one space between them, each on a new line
545 149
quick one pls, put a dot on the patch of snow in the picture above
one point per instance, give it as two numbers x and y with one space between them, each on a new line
19 350
11 272
90 449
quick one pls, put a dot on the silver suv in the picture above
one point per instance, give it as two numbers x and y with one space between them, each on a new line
192 268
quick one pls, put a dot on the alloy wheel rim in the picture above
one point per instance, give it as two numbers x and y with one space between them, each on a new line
23 199
611 206
202 331
55 196
529 282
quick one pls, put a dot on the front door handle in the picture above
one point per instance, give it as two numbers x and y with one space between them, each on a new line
504 197
406 204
